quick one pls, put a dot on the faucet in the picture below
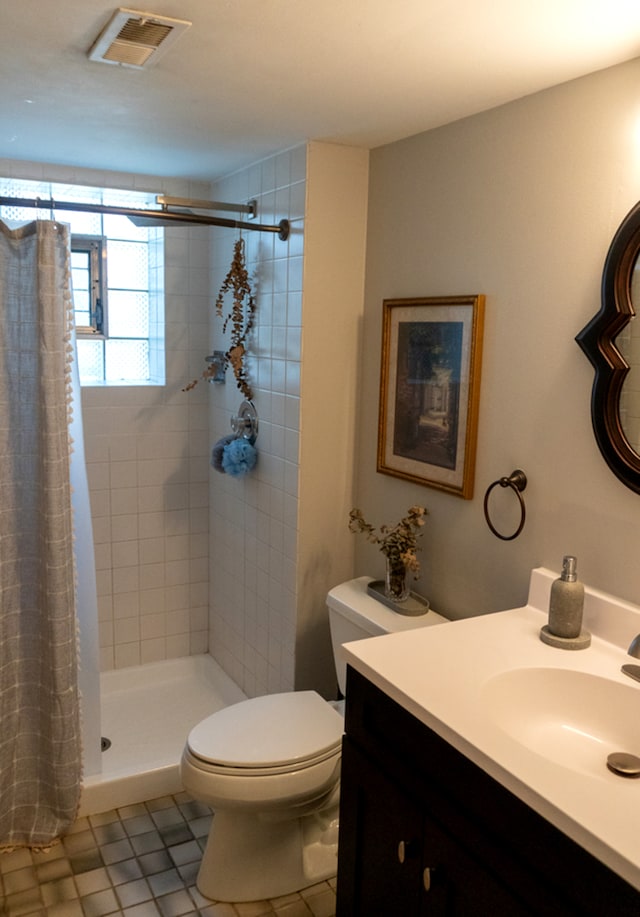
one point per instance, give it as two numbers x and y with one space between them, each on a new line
633 671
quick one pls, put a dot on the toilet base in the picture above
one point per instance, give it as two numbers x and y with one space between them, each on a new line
252 858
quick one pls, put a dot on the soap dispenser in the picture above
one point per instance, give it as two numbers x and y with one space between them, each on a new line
565 610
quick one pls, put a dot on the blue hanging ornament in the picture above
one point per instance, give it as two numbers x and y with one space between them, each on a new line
239 457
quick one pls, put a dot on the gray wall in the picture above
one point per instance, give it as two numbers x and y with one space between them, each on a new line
519 203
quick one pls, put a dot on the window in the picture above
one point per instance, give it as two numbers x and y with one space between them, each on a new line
117 277
88 279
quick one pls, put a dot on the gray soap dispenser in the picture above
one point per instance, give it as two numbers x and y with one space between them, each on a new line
565 610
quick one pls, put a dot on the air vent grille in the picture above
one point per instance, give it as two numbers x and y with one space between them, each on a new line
144 32
136 39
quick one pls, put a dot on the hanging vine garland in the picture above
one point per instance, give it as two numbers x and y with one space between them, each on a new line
237 280
240 318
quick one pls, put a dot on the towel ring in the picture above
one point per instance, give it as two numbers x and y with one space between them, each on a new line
517 481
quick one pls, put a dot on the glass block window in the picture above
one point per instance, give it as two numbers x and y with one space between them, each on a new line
117 299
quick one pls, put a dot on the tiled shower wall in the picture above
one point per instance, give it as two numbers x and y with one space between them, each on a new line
147 460
254 518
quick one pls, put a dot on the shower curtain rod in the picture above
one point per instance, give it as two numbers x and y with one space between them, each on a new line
282 229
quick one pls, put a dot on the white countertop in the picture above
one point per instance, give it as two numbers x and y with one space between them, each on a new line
439 674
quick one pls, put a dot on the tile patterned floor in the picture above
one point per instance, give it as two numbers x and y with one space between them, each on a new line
138 861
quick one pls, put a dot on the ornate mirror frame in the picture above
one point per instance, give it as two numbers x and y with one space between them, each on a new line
597 341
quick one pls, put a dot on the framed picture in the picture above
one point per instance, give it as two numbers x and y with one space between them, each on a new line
430 390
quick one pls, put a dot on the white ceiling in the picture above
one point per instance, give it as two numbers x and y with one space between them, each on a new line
251 77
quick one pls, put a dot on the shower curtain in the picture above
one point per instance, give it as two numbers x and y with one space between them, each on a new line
40 744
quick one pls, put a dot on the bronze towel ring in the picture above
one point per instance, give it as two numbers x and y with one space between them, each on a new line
517 481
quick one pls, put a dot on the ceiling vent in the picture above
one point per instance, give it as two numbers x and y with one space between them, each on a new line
136 39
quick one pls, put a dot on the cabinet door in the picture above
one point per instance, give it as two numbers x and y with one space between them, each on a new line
396 861
459 883
380 849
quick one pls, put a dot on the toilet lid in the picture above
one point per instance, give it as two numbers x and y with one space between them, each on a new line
268 731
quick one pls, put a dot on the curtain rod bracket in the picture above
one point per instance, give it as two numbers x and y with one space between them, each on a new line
165 201
285 227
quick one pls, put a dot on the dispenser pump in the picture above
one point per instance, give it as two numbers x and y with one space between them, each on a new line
566 602
569 569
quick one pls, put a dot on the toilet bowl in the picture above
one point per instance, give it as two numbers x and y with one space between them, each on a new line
269 767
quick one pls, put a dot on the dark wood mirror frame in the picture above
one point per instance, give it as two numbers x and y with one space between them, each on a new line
597 341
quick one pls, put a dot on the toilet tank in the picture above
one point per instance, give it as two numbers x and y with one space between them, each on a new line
356 615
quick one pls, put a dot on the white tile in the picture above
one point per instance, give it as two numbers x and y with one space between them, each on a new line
150 499
107 658
294 309
124 527
104 584
153 650
126 579
101 530
294 275
122 448
198 570
105 630
100 503
152 601
177 597
152 550
98 475
292 374
125 554
151 576
178 645
150 524
105 608
126 604
126 630
176 547
123 474
153 625
175 496
126 655
177 622
123 500
176 572
103 557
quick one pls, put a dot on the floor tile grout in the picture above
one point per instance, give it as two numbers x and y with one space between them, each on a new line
137 861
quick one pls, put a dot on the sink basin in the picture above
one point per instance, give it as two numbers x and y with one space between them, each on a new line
572 718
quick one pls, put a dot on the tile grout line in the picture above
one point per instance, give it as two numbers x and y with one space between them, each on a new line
138 861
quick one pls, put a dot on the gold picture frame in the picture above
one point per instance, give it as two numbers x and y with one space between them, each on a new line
430 390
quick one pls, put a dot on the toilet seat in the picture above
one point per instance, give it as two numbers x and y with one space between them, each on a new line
275 733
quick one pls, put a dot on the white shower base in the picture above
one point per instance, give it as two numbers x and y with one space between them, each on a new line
147 712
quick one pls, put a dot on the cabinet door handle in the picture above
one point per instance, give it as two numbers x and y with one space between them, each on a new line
427 878
406 849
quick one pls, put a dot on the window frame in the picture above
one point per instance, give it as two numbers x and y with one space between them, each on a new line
96 248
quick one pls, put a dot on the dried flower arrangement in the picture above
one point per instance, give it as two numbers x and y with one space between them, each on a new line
397 542
241 317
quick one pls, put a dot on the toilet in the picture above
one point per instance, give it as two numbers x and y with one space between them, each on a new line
269 767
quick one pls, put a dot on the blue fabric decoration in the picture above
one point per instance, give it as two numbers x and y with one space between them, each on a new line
239 457
218 451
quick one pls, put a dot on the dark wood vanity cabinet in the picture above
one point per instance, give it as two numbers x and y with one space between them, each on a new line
424 831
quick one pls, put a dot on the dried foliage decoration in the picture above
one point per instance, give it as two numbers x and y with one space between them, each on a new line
397 542
240 318
237 280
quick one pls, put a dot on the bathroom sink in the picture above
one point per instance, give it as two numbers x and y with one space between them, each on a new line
541 721
575 719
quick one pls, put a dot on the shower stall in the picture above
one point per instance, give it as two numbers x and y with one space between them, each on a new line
141 488
154 663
